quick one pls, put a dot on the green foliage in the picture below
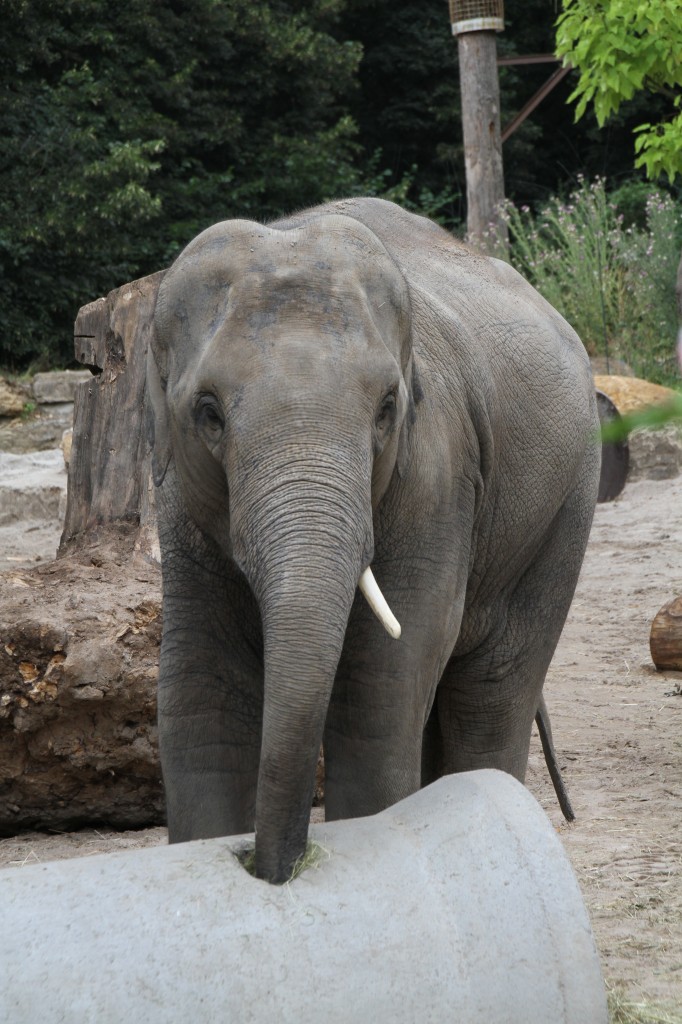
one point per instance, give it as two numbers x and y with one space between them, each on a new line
566 251
622 47
127 128
407 105
660 148
613 281
649 258
651 417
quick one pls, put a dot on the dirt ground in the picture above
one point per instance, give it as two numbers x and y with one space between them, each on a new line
618 729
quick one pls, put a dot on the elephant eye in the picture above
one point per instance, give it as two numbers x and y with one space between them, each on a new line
386 415
209 416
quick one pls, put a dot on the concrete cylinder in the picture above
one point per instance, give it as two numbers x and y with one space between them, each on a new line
457 904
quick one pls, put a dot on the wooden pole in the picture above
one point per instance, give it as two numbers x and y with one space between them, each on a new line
482 139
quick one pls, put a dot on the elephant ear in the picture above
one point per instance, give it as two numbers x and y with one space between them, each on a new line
414 397
158 434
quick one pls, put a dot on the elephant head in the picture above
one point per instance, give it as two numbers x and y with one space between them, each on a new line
279 384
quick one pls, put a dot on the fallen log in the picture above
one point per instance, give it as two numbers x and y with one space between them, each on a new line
665 641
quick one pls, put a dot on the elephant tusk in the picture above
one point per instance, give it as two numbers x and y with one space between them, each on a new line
377 602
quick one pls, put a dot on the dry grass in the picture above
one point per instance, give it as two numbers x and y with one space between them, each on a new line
624 1011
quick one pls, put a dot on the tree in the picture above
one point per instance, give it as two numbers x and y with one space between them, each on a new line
128 128
407 106
621 48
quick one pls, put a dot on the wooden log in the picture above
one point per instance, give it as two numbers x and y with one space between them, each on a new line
665 640
109 469
615 456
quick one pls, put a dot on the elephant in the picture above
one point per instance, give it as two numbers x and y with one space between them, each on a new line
376 461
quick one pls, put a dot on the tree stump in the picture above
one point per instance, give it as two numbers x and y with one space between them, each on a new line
80 636
110 468
665 640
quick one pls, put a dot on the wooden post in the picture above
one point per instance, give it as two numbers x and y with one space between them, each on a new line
482 139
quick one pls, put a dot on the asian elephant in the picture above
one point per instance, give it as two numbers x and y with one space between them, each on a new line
348 387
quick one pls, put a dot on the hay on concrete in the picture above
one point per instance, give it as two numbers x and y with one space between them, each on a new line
314 854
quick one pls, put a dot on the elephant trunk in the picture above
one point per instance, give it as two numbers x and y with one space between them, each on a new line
302 543
302 651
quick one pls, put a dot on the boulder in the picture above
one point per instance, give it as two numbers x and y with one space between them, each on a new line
32 486
655 454
39 431
58 386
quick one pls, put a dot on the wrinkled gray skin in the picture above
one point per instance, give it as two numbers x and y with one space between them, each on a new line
345 387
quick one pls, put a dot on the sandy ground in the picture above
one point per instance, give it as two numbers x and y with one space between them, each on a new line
23 544
618 725
618 728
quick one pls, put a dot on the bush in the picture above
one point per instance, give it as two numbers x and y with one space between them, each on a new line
612 279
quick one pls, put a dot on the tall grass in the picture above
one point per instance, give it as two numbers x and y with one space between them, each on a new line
613 281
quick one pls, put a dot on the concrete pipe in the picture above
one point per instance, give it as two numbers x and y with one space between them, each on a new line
457 904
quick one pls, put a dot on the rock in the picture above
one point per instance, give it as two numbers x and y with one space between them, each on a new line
79 648
58 386
38 432
630 394
655 454
32 486
13 398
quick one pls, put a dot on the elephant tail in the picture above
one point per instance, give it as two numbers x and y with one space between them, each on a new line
545 730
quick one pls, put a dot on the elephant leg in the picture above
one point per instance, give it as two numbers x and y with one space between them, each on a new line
383 694
488 697
432 748
372 745
384 688
210 697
